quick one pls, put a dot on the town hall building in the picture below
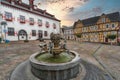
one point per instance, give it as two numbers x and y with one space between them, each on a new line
21 21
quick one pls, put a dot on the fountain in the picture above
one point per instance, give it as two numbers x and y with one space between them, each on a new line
55 61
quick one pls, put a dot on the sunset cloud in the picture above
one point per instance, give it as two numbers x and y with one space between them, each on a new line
62 8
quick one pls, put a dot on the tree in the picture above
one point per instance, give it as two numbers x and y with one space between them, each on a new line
111 37
78 35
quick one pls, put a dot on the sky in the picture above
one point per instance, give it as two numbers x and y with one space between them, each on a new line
69 11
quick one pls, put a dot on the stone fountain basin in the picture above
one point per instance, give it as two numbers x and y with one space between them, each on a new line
55 71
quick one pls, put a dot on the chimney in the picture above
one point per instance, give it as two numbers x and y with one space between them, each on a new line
31 3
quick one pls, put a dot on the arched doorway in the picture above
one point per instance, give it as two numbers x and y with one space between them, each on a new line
22 35
40 34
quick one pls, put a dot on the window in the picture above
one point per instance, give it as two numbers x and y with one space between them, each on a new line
39 22
103 20
96 27
45 33
47 24
33 32
113 25
31 21
8 16
68 32
54 26
83 29
107 25
22 19
11 32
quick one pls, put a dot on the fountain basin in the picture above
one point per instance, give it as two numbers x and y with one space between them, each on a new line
55 71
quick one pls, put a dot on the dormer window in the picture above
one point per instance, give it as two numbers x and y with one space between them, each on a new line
47 24
22 19
54 25
103 20
31 21
39 22
8 16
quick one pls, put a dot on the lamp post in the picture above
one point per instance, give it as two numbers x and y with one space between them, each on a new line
4 23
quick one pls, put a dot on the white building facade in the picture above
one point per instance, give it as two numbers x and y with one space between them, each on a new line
26 21
68 32
0 25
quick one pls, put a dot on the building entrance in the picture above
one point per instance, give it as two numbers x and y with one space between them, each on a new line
40 34
22 35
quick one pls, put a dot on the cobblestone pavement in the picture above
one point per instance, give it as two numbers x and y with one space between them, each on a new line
14 54
109 57
94 73
87 71
85 50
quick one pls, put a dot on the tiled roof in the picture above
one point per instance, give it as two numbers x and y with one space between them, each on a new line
114 16
90 21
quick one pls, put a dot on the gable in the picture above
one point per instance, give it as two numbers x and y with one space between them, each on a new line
103 19
79 24
112 17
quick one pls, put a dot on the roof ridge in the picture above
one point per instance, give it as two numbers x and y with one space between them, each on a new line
89 18
100 15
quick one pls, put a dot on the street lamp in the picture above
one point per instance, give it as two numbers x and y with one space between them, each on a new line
4 23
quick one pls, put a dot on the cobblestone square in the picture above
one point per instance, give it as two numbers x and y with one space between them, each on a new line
105 57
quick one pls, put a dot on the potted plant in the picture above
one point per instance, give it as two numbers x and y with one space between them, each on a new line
111 37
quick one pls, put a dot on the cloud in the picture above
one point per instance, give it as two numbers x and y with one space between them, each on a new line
62 8
85 14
